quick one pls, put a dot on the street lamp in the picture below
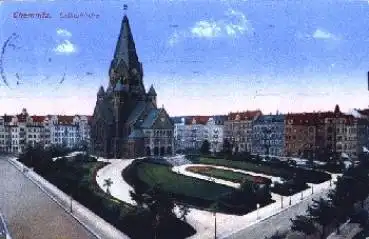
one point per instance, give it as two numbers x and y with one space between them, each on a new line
281 201
215 222
312 189
71 199
290 190
257 211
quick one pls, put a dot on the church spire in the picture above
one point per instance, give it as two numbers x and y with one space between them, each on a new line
125 49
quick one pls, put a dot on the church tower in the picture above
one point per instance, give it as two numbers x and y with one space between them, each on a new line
125 64
151 95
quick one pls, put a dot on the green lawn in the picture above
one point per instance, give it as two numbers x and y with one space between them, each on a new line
272 170
227 175
155 174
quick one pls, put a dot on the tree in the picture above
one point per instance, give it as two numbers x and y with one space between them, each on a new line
159 203
303 224
321 211
359 181
183 210
107 183
205 147
227 147
342 200
277 235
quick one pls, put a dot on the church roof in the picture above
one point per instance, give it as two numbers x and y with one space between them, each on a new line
151 117
137 133
152 91
137 111
125 48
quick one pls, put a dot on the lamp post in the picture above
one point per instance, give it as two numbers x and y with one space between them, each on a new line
71 199
312 189
215 223
302 195
281 201
257 211
290 190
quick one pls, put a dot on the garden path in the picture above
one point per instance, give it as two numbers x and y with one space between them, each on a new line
203 221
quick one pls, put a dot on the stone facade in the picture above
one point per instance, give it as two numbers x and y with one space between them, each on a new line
238 130
126 121
191 131
22 130
268 135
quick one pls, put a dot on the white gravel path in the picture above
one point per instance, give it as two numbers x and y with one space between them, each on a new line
182 169
119 189
203 221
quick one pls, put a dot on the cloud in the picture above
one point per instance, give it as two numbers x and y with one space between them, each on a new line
234 24
325 35
206 29
63 32
65 47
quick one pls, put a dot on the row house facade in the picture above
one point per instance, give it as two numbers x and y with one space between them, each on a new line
191 131
22 130
238 129
268 135
313 134
301 135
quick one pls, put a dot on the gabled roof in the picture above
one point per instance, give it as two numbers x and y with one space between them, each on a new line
150 118
246 115
197 120
65 119
38 119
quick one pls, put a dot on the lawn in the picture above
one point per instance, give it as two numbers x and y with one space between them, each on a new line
272 170
228 175
155 174
143 175
76 176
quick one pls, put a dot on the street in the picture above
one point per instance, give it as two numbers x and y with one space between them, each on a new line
279 222
30 213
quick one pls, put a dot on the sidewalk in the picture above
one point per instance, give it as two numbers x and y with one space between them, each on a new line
96 225
347 231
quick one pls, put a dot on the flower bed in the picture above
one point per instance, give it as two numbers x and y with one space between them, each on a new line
272 170
143 175
228 175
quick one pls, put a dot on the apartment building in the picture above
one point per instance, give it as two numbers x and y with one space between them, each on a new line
268 135
19 131
191 131
238 129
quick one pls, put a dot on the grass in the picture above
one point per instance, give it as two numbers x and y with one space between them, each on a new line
228 175
143 175
154 174
287 173
76 176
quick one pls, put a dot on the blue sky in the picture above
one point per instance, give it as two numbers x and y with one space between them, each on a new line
203 57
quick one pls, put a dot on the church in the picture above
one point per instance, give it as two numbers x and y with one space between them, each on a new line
126 121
